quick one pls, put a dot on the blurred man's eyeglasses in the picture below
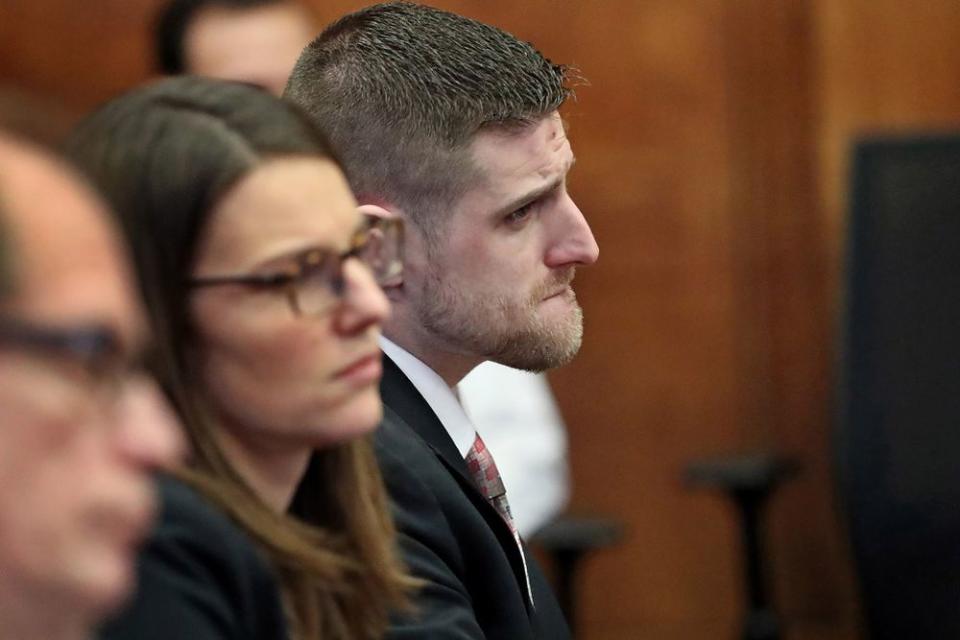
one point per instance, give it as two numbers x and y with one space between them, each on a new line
314 280
95 351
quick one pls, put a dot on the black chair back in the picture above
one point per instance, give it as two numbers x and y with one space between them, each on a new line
898 432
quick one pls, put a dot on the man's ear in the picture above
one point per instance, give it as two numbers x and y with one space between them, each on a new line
395 288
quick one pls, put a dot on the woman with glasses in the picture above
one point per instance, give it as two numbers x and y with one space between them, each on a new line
261 281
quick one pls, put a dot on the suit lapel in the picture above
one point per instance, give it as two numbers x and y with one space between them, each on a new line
400 395
402 398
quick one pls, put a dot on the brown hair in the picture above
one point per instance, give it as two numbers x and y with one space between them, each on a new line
163 156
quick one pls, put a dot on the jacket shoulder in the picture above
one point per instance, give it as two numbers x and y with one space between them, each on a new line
199 576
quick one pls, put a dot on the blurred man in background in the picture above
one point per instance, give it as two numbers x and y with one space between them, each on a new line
258 41
79 434
255 41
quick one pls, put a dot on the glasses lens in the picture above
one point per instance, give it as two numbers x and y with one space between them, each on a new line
89 358
318 286
378 245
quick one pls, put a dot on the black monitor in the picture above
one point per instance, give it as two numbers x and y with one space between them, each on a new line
898 432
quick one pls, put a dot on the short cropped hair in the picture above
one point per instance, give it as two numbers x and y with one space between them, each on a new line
401 89
174 20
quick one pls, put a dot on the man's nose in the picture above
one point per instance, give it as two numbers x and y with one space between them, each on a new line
574 243
149 434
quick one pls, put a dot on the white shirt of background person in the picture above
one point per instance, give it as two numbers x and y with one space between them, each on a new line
517 417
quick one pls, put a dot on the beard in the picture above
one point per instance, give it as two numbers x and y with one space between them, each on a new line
506 329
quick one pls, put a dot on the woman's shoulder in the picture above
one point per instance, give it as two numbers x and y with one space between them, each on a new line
199 575
187 518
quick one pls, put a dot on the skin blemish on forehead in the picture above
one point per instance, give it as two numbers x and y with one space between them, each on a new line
559 131
559 148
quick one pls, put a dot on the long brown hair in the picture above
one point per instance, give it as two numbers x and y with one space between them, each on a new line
163 156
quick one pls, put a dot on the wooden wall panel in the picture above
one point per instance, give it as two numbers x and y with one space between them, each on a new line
883 66
711 162
785 341
648 392
75 53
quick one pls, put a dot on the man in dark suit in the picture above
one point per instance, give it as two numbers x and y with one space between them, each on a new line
453 125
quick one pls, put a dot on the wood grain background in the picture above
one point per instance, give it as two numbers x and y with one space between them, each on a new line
712 144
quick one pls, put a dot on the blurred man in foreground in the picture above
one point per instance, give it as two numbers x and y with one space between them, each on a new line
79 433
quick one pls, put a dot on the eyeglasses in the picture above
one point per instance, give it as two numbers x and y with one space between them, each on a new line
314 280
96 351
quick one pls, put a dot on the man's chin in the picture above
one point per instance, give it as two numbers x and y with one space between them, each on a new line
99 589
541 350
122 583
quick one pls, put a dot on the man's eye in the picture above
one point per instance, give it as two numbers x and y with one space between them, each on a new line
279 279
520 215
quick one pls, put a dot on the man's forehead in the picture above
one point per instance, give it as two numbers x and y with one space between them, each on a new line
68 259
540 151
550 129
216 32
43 199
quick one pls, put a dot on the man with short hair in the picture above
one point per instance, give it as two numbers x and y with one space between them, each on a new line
453 125
79 434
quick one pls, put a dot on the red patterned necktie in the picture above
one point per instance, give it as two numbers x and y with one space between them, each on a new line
485 475
487 478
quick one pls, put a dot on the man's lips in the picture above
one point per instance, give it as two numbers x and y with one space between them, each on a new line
140 525
127 522
564 291
560 285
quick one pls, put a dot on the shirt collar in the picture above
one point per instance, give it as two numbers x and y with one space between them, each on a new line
435 391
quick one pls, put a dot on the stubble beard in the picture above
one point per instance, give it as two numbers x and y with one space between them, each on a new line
506 330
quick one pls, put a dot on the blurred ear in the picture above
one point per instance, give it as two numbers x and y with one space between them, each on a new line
376 211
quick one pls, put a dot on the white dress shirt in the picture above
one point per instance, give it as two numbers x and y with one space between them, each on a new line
438 395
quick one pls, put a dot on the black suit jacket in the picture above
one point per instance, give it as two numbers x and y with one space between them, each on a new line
452 537
200 578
